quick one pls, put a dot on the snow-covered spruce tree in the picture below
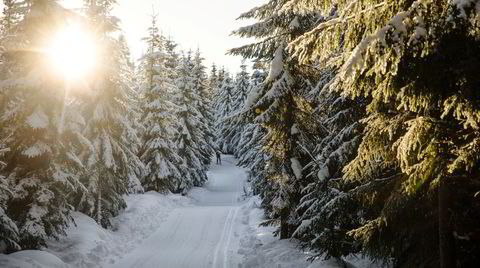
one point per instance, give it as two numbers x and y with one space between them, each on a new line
250 151
247 149
254 157
212 83
216 84
418 161
281 108
39 133
173 58
159 152
132 135
9 235
189 137
242 84
109 128
233 125
11 16
204 104
12 13
328 208
223 109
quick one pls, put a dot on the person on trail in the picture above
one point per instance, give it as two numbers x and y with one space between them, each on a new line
219 157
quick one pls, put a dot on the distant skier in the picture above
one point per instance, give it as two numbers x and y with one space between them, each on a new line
219 157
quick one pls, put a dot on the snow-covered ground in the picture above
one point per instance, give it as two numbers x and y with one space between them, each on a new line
201 235
89 245
214 226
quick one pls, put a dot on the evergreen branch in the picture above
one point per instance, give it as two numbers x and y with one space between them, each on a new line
333 22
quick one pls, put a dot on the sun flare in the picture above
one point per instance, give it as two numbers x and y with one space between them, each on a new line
72 52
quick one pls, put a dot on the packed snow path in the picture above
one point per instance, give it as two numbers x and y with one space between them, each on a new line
202 235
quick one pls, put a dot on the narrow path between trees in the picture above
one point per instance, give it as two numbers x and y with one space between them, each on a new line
205 234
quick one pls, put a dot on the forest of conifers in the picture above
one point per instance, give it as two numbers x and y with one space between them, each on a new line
359 125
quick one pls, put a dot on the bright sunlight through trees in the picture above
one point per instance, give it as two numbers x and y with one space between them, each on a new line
72 52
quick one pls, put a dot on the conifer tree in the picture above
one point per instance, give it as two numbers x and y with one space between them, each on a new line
109 128
280 107
204 108
132 135
417 162
212 82
224 109
242 83
11 16
159 152
250 151
217 100
328 209
189 138
173 58
9 233
232 123
39 135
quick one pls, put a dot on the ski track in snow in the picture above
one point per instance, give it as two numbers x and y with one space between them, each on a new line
227 246
199 235
217 248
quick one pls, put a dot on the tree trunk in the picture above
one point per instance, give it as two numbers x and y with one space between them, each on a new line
446 239
289 144
99 206
284 224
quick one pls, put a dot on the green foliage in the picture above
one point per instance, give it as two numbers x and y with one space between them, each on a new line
281 108
414 62
410 69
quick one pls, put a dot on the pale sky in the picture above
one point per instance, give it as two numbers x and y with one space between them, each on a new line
206 24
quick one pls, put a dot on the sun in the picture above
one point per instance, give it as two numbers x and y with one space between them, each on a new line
72 52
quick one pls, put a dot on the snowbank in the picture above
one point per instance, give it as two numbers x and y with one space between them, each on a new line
89 245
31 258
261 249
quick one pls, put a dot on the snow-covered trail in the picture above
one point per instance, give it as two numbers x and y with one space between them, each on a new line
205 234
212 227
